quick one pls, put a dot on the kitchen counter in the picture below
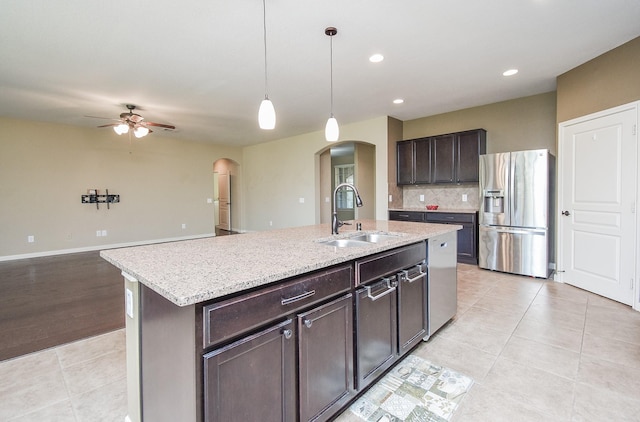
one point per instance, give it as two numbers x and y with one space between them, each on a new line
456 210
194 271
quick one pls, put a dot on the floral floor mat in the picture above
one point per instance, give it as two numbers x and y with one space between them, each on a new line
415 390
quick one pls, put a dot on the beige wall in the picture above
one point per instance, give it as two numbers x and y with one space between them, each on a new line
607 81
520 124
45 168
277 174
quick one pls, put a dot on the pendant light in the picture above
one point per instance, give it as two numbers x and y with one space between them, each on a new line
266 113
331 130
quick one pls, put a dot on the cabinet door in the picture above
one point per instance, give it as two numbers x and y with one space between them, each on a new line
443 158
422 160
470 145
326 359
405 162
412 308
467 251
376 331
253 379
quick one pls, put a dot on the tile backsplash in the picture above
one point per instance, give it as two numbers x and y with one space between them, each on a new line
447 197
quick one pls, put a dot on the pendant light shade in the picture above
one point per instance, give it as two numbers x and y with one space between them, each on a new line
266 113
331 130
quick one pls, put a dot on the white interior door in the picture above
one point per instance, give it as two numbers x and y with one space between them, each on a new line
597 200
224 195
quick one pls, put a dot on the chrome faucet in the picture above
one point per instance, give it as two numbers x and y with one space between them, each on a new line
335 223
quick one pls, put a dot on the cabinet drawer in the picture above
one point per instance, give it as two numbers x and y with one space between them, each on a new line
229 318
406 216
447 217
376 266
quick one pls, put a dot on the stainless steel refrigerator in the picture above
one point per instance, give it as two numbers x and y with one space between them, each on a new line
517 212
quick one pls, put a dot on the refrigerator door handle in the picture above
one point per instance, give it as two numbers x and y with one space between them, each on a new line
515 231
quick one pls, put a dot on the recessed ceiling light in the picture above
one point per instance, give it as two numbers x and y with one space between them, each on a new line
398 101
510 72
376 58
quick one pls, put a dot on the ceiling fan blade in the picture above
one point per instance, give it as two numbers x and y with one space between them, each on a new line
110 125
104 118
159 125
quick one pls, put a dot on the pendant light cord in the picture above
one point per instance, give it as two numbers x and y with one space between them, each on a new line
264 31
331 73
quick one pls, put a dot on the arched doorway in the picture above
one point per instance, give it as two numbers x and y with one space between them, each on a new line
352 161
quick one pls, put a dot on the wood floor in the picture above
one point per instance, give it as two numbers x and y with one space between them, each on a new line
48 301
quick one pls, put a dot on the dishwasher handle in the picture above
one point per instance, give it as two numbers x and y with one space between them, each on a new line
391 286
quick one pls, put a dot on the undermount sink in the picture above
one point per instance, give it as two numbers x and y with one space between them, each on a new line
345 243
374 237
359 240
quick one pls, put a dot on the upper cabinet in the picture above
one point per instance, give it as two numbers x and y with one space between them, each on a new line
450 158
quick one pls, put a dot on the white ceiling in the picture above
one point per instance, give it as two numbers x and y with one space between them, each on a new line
199 65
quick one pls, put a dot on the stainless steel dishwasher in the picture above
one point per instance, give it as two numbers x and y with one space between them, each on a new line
442 294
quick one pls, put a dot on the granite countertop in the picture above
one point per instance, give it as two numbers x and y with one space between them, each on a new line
456 210
194 271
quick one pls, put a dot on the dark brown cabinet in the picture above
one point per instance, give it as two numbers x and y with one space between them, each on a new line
467 237
253 379
441 159
412 307
325 359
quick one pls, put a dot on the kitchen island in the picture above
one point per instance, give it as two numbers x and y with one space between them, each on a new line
216 326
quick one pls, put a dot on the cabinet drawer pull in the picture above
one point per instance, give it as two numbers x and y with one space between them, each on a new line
290 300
287 334
308 323
411 280
390 288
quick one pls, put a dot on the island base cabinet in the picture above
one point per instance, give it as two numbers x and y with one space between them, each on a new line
253 379
412 307
376 331
326 359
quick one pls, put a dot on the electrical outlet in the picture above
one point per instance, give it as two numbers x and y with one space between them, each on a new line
464 197
31 239
184 226
390 198
99 233
301 200
209 200
104 232
270 223
421 198
326 199
129 301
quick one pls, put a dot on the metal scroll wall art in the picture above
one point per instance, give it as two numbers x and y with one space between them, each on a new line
93 197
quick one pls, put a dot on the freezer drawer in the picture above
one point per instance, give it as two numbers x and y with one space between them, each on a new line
512 250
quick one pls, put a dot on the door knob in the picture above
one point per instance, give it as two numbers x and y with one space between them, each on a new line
565 213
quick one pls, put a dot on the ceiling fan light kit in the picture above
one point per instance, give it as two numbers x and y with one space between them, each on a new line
133 121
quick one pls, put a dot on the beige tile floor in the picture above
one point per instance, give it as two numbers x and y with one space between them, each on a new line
537 351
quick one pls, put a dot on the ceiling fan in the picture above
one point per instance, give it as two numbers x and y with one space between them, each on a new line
134 122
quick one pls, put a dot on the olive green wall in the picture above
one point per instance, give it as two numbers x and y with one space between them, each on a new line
520 124
45 168
607 81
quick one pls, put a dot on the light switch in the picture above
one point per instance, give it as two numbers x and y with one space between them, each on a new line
301 200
